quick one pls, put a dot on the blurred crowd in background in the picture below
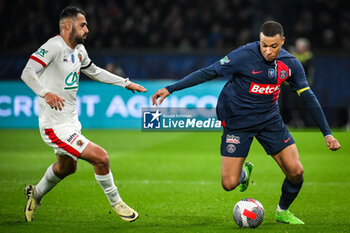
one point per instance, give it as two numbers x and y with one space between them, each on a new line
180 25
168 39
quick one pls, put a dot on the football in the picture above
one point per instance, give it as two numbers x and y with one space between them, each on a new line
248 213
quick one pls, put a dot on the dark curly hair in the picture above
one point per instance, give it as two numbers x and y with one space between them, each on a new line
272 28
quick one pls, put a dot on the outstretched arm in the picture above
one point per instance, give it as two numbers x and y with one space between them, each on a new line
96 73
316 111
135 87
162 94
195 78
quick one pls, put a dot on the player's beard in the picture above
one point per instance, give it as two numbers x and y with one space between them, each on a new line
75 38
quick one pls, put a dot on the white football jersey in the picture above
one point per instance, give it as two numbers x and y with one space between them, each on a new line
60 75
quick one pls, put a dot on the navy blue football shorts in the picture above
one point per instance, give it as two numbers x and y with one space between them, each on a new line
272 135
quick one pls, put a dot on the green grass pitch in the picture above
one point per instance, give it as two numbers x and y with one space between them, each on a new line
173 180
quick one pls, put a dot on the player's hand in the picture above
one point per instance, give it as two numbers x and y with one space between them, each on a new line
135 87
54 101
332 142
162 93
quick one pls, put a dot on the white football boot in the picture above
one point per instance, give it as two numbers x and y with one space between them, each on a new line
32 204
125 212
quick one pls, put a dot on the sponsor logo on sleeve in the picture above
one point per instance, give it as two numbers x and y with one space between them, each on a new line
224 60
41 52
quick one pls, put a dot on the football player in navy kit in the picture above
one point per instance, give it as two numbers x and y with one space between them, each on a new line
247 107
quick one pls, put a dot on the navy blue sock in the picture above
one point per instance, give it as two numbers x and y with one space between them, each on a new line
290 191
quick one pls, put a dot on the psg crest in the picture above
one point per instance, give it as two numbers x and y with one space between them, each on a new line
283 74
231 148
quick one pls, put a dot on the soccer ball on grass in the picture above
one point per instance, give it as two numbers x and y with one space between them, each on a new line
249 213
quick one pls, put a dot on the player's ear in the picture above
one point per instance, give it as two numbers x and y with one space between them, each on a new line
64 25
67 25
283 39
70 25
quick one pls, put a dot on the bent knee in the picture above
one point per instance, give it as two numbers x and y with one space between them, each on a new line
297 175
63 171
71 170
229 183
102 159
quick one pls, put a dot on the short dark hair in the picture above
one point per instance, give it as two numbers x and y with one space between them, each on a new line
271 28
70 11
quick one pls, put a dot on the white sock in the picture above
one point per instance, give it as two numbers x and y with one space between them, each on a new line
107 184
279 208
46 183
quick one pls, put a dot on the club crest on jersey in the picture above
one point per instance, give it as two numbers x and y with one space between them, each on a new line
80 143
283 74
232 139
224 60
73 58
80 56
271 73
283 71
41 52
231 148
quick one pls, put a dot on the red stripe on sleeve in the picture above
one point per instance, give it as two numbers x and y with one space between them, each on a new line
61 144
38 60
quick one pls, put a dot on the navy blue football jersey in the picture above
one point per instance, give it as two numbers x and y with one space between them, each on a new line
250 96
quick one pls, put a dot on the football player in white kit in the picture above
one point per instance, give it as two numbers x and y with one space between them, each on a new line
52 72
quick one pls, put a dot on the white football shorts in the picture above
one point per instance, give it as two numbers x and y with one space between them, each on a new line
65 140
